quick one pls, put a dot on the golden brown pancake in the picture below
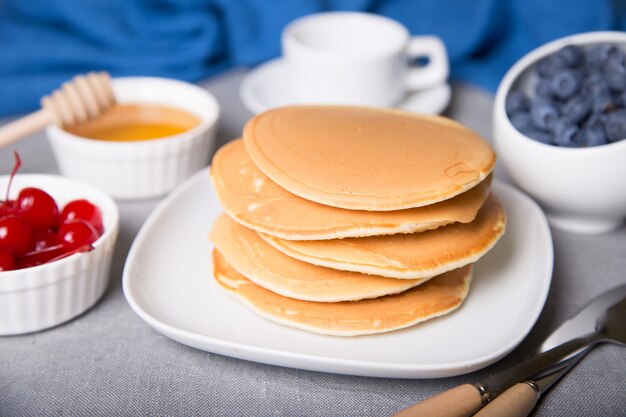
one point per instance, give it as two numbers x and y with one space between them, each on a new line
349 318
252 199
244 249
416 255
361 158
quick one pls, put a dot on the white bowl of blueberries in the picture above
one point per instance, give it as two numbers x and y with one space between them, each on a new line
560 129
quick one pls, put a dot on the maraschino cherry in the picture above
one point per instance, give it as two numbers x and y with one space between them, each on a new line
33 232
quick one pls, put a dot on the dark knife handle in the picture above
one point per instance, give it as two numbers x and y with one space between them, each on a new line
462 401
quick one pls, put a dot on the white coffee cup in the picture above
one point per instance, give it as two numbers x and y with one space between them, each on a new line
358 58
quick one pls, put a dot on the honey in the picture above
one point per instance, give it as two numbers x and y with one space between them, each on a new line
129 122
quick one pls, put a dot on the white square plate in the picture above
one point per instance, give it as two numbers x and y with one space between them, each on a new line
168 282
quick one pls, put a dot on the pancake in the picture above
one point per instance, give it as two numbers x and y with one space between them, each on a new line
244 249
252 199
435 298
362 158
417 255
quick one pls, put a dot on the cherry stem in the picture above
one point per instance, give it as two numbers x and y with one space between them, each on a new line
44 250
83 248
16 166
90 226
80 249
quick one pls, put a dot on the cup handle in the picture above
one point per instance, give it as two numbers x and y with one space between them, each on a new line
437 69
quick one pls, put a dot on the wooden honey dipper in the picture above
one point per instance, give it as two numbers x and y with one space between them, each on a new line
83 98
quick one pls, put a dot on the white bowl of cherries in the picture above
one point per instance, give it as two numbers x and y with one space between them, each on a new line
56 243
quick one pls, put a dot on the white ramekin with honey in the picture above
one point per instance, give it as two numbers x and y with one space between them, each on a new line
160 132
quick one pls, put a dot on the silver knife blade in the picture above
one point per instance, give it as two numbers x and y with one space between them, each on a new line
584 321
545 382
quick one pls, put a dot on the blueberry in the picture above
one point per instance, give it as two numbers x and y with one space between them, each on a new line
615 126
521 121
516 102
564 132
595 85
592 136
564 84
543 88
567 138
620 99
550 65
595 120
572 55
540 136
604 103
615 75
600 55
576 108
559 124
543 114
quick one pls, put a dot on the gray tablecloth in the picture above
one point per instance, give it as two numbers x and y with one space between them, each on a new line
109 362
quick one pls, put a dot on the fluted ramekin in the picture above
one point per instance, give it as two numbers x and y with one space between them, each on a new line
142 169
44 296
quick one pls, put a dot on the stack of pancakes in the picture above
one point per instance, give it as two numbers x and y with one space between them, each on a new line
350 221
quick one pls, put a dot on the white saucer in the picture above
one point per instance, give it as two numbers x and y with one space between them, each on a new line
264 87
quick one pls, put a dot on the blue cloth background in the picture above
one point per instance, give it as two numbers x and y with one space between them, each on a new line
43 42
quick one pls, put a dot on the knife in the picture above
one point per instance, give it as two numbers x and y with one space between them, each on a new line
584 321
466 399
521 398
